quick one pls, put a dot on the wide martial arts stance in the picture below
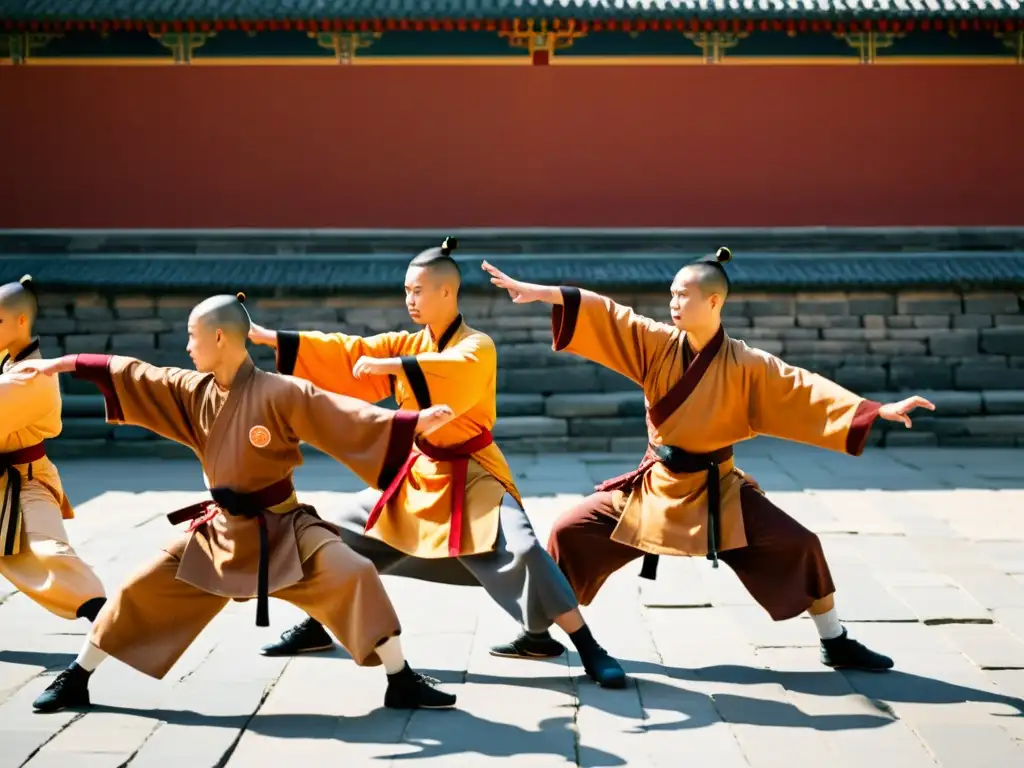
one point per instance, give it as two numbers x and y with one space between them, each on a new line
35 554
705 393
453 513
254 539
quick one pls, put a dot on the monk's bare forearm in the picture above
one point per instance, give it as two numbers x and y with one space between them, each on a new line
66 364
549 294
265 337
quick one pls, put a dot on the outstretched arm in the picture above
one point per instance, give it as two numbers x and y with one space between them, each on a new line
596 327
371 441
795 404
162 400
328 359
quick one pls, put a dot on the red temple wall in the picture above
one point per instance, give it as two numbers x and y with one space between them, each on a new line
559 146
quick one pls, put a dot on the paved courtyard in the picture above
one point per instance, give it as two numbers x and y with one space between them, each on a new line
927 547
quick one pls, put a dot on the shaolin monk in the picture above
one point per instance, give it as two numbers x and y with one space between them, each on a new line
254 539
35 555
452 514
705 393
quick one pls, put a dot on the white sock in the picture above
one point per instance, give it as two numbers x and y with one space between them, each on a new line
391 656
828 624
90 657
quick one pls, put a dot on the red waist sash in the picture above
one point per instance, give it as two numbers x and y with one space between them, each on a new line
459 456
10 501
23 455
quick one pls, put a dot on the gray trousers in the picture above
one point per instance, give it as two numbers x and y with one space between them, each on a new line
518 574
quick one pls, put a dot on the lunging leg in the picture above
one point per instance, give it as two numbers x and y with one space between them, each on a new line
784 568
520 567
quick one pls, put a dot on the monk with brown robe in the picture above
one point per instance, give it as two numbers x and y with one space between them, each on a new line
255 539
453 513
35 553
705 393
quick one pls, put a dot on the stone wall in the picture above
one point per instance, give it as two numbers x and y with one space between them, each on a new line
967 347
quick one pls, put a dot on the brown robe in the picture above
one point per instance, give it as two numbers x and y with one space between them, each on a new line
247 439
35 553
446 502
731 392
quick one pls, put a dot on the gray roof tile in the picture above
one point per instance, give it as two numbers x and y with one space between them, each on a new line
309 276
256 10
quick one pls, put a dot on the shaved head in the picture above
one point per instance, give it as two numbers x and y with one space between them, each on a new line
710 277
698 293
217 331
439 264
709 274
19 299
432 284
224 313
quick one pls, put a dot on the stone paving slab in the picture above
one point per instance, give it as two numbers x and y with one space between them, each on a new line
928 569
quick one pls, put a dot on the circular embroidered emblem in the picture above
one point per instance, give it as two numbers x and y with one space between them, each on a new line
259 437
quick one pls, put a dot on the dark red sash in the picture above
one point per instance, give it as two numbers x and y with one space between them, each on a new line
23 456
459 456
10 502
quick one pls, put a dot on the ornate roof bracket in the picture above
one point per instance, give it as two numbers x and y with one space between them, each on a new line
345 45
182 44
713 45
541 38
18 46
1015 42
867 44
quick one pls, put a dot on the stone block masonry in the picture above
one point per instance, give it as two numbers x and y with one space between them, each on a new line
968 347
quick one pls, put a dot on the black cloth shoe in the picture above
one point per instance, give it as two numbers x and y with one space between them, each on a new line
411 690
530 645
307 637
604 670
844 652
70 689
597 662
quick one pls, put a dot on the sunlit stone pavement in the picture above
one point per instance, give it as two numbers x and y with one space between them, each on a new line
927 549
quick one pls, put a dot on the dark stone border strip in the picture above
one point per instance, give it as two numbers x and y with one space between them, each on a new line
305 276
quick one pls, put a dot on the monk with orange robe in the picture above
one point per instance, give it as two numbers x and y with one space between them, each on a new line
453 513
35 553
706 392
254 539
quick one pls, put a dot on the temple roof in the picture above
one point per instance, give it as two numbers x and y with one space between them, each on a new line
298 274
499 10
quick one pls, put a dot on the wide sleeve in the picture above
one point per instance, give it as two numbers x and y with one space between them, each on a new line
610 334
794 404
456 377
162 400
371 441
327 359
25 400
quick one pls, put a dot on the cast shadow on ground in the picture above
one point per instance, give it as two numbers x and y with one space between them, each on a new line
37 659
461 732
447 733
894 687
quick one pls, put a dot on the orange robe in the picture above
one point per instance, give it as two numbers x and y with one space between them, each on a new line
35 553
458 370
